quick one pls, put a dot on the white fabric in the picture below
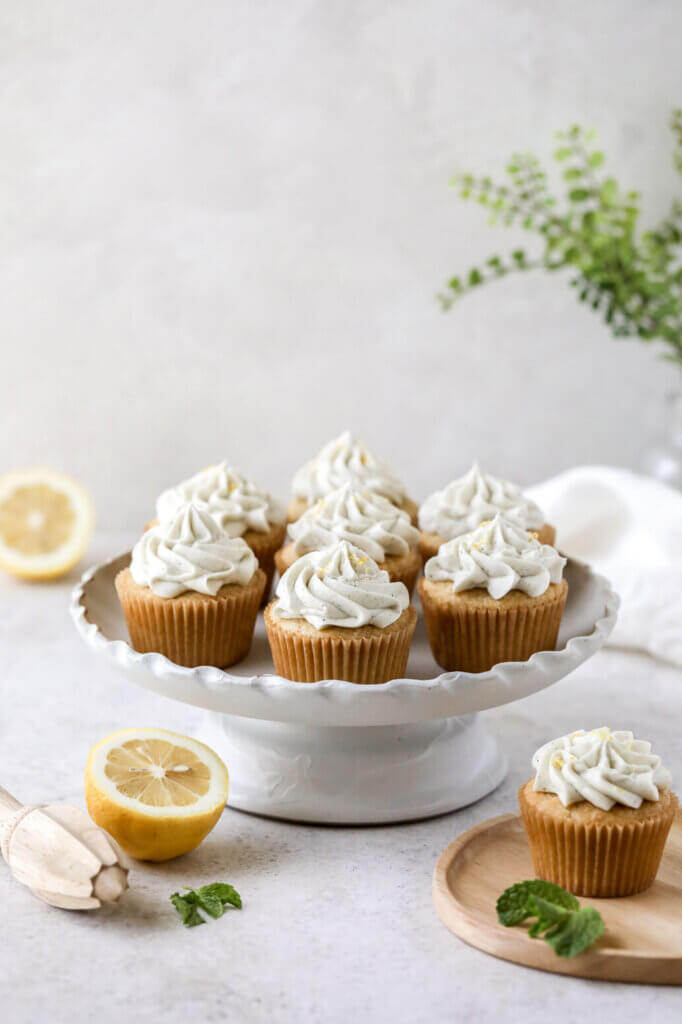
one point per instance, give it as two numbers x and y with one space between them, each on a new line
629 528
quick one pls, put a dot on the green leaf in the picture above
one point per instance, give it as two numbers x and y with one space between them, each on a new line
632 278
608 193
224 892
212 899
212 904
187 909
568 928
515 900
548 913
576 933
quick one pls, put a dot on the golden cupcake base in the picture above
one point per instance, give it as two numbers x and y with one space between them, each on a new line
591 852
192 629
364 655
471 631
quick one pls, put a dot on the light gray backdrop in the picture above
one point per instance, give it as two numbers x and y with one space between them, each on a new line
224 226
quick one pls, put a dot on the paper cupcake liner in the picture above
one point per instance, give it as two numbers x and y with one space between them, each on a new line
599 858
401 568
468 636
367 655
192 629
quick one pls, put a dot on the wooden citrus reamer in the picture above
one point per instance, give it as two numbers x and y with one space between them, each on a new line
60 854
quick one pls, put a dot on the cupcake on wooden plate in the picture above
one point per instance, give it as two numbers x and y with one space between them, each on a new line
473 499
495 594
192 592
239 507
345 460
598 812
366 520
338 616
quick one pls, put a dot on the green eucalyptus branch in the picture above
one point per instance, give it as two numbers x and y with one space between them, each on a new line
632 278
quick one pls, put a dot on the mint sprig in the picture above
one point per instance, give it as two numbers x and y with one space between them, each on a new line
559 919
212 899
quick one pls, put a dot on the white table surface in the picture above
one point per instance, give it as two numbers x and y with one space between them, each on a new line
337 923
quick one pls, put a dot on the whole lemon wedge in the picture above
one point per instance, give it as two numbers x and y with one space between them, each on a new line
46 520
157 793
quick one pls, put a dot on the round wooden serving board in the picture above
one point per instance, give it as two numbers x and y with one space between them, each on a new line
643 937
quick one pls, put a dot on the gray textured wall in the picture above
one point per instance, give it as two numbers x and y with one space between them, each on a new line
224 225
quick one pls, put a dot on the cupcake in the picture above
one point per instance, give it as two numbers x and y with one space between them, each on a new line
366 520
598 812
238 506
495 594
192 592
346 461
338 616
473 499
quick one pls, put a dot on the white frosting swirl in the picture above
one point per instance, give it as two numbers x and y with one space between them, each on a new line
236 504
365 519
346 460
190 552
472 499
340 586
498 557
600 766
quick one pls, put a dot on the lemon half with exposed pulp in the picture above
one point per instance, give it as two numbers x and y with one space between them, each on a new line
156 792
46 521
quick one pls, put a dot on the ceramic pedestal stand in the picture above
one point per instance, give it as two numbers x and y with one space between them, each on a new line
336 753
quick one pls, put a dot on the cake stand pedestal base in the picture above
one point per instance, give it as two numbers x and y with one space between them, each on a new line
355 775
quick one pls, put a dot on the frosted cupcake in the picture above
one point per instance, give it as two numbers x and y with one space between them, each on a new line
471 500
191 592
345 460
598 812
366 520
495 594
338 616
238 506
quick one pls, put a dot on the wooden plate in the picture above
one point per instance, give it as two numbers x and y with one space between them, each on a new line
643 937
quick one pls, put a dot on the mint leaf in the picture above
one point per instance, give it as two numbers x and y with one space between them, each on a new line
548 914
514 905
224 892
213 905
212 899
576 933
568 928
187 910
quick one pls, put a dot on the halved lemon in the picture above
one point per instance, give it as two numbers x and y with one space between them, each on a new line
46 520
156 792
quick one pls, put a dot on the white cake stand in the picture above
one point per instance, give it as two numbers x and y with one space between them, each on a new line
337 753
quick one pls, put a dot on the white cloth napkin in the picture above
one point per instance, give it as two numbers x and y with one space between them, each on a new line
629 528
